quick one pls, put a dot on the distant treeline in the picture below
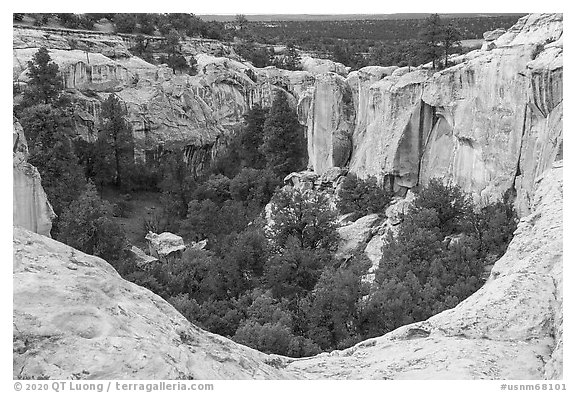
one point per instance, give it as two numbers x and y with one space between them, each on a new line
316 35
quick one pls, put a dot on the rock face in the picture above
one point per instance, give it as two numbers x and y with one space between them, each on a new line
31 209
490 123
166 109
512 328
75 317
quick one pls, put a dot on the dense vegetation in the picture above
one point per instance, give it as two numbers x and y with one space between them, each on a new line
268 279
355 43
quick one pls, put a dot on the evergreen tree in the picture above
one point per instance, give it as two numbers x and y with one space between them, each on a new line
87 226
362 196
49 131
45 83
451 37
431 36
304 216
116 136
252 137
283 143
175 59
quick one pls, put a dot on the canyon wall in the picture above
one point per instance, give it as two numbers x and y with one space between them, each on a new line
490 123
165 108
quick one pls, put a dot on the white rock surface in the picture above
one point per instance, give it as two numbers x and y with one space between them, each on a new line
164 244
353 237
75 317
490 123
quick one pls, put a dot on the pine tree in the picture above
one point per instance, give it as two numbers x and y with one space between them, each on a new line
87 226
283 142
45 83
431 36
48 131
251 138
116 135
450 38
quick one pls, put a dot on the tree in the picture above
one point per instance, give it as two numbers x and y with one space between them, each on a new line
283 143
333 311
49 132
45 83
175 59
254 186
449 201
304 216
87 226
451 37
294 270
176 182
292 60
116 135
431 36
241 21
362 196
125 23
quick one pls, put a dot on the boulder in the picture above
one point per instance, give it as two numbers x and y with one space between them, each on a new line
143 260
355 236
165 244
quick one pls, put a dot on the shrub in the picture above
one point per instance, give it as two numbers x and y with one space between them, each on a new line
304 216
362 196
449 201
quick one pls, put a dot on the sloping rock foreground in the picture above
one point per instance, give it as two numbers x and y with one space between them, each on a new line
74 315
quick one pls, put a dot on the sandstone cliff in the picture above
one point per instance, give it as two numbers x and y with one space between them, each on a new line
165 108
490 123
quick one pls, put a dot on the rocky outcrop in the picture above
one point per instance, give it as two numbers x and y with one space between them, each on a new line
323 66
511 328
31 209
164 245
354 236
76 318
